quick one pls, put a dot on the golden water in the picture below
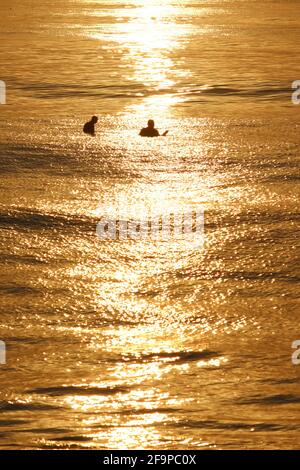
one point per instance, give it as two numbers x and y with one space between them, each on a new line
142 344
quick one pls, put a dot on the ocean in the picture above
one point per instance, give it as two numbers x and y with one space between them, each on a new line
145 343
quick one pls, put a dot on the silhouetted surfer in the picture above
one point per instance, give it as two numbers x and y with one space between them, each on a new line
89 127
150 131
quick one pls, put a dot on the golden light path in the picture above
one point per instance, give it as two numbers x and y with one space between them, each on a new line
149 39
148 36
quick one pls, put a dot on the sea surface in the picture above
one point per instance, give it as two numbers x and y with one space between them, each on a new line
149 344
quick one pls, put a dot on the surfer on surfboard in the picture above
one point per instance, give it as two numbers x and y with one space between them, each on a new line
150 130
89 127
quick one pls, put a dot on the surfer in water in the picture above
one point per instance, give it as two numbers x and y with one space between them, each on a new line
89 127
150 130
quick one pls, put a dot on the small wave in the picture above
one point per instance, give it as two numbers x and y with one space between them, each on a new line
270 400
282 178
12 422
174 357
24 406
21 259
77 390
72 439
63 446
45 430
146 411
282 381
14 289
61 90
25 340
29 219
265 91
240 275
235 426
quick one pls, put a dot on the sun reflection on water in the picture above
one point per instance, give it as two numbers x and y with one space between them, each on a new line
147 36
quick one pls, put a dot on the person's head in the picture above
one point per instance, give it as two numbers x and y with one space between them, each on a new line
94 119
151 124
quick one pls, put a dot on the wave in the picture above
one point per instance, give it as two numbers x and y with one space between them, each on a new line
30 219
171 356
12 422
21 259
282 399
24 406
50 91
261 91
14 289
234 426
76 390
